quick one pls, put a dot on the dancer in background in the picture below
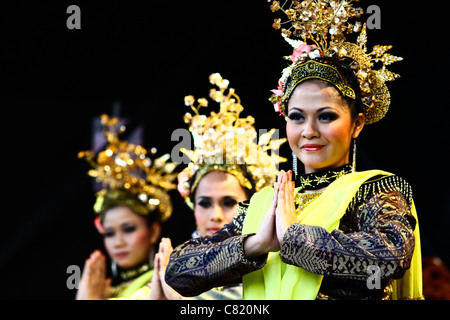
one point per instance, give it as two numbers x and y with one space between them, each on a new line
130 210
227 166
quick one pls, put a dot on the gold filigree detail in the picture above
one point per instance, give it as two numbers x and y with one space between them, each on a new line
225 141
302 200
317 28
128 175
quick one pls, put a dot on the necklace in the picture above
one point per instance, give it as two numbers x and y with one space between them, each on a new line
321 179
314 181
135 272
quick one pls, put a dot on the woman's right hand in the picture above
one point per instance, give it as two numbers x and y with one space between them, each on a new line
265 240
93 283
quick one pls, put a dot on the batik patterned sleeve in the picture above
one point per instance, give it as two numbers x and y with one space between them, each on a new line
200 264
380 233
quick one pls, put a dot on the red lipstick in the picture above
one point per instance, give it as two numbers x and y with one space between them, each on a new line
120 255
211 231
312 147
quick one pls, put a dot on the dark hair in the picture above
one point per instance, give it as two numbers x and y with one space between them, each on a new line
246 174
344 68
150 218
123 198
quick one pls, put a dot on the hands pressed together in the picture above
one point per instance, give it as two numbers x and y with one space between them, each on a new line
279 217
160 290
94 285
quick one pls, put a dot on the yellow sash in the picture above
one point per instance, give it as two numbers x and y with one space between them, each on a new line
137 289
278 280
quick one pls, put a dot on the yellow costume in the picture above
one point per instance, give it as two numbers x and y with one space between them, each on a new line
278 280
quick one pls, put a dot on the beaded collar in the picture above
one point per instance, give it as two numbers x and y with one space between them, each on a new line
321 179
135 272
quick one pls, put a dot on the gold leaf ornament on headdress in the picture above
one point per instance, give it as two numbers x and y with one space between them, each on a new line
129 176
224 141
318 28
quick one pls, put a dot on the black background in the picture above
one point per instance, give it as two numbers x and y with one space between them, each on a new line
145 57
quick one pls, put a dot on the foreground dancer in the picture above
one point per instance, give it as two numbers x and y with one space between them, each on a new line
341 234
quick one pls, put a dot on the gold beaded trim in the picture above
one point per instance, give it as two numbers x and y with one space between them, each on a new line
302 200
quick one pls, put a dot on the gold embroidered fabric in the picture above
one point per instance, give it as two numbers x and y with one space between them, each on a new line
302 200
380 209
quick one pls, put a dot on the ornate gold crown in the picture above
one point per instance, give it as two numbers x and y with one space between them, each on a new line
319 27
129 176
224 141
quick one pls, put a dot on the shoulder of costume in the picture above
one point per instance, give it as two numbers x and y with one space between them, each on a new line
261 194
385 182
243 206
257 198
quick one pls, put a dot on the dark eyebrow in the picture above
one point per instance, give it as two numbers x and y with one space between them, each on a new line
127 223
109 229
318 110
295 108
123 224
224 198
204 197
230 197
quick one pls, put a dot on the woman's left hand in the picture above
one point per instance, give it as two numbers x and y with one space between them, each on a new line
285 212
160 290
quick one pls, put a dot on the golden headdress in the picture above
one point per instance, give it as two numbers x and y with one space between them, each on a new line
316 31
129 176
225 142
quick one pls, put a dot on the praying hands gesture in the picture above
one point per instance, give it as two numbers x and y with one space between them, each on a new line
160 290
279 217
93 283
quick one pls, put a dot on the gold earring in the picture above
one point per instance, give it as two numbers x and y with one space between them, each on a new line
354 156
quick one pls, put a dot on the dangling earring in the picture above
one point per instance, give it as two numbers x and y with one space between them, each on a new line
354 156
294 164
114 269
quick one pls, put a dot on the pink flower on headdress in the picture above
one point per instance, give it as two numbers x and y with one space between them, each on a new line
98 225
303 48
277 106
183 186
278 93
279 90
